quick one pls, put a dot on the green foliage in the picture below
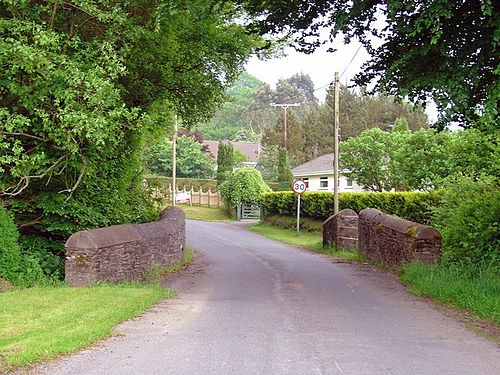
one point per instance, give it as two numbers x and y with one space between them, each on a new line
245 185
225 161
191 160
290 222
10 256
402 160
468 221
83 84
414 206
285 176
445 50
454 285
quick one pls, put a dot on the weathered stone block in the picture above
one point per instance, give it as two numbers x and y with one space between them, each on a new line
123 253
341 230
394 241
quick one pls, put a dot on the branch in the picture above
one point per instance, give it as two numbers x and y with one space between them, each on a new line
25 180
25 135
78 181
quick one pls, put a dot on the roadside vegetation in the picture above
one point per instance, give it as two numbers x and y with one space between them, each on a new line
305 239
206 213
42 323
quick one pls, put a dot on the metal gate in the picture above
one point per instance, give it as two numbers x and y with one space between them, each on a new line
247 211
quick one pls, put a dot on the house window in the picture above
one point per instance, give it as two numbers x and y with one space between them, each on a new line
323 182
349 183
306 181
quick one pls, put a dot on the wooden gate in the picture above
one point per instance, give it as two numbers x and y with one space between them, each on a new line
247 211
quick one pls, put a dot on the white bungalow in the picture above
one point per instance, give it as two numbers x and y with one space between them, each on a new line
318 175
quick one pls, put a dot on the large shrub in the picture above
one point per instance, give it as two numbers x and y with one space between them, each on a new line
244 185
10 256
468 220
414 206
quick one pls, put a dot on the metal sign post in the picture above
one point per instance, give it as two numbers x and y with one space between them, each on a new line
299 187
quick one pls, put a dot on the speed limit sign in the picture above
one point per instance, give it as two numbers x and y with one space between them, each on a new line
299 186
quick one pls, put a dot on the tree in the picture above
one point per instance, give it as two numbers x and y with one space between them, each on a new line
83 83
225 161
285 176
447 50
366 158
191 160
245 185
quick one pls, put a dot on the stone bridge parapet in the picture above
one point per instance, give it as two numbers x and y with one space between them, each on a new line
393 241
124 253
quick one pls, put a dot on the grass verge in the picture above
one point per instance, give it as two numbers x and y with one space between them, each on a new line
308 240
44 322
205 213
479 294
155 276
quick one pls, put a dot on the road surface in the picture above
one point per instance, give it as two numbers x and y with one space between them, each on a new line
261 307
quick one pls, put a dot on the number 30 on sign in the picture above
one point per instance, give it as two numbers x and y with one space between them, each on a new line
299 186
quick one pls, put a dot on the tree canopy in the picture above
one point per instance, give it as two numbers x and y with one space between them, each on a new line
447 50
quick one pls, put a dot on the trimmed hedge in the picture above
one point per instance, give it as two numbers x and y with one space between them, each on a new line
414 206
10 255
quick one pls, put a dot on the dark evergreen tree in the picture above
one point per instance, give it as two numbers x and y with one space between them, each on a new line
225 161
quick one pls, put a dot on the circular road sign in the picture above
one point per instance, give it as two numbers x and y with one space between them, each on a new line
299 186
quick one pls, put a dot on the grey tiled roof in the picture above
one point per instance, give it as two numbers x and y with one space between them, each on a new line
323 163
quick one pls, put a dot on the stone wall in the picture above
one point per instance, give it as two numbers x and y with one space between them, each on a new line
341 230
393 241
123 253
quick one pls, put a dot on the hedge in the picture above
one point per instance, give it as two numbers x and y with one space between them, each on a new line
10 256
414 206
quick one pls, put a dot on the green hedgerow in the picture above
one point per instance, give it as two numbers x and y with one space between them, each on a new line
10 255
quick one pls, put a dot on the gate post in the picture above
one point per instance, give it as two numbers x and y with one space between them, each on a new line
238 211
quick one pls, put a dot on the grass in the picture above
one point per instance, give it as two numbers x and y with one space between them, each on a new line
187 257
308 240
44 322
205 213
479 294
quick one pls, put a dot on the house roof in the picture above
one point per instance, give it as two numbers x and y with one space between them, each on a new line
250 149
322 164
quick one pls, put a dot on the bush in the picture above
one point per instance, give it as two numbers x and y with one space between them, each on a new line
468 220
10 255
290 222
244 185
414 206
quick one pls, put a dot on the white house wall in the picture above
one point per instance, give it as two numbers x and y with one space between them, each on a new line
314 183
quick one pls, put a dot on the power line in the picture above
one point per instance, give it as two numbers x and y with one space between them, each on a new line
345 69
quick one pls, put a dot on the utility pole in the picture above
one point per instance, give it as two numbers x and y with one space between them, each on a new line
336 144
285 106
174 161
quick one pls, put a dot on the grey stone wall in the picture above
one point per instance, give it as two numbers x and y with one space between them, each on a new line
393 241
123 253
341 230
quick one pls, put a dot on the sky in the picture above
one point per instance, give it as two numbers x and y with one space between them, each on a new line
321 67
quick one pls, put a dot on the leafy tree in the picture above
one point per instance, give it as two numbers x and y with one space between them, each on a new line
82 83
447 50
225 161
285 176
423 160
366 158
191 160
230 122
244 185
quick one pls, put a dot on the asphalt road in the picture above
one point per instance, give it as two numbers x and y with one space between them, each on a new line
260 307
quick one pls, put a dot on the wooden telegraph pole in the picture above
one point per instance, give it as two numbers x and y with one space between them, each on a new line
285 107
336 145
